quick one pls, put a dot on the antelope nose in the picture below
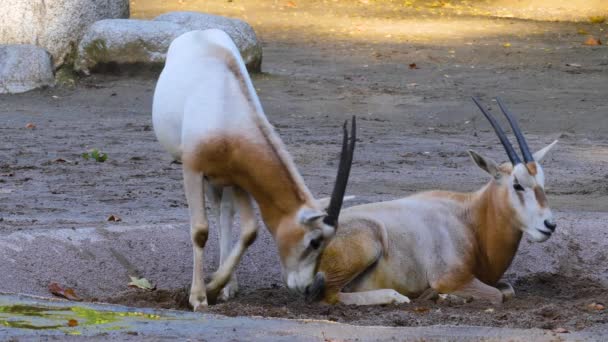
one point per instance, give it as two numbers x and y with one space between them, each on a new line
551 225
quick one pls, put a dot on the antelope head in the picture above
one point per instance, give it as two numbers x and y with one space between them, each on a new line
301 239
524 180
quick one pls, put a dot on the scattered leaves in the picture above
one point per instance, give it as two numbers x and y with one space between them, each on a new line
67 293
413 66
596 306
96 155
72 323
141 283
560 330
592 41
114 218
30 125
421 309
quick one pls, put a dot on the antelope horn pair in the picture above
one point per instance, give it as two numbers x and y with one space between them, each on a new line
523 145
346 160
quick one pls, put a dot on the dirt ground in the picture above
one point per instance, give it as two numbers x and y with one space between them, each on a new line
408 76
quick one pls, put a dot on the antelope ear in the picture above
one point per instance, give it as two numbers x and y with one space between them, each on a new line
540 154
486 164
324 202
307 216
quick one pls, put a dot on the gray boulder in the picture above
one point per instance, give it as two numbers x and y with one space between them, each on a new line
55 25
23 68
145 43
126 42
242 33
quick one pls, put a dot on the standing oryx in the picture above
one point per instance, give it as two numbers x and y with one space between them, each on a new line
207 114
439 241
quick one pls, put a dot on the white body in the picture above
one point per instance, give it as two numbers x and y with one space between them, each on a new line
206 113
197 97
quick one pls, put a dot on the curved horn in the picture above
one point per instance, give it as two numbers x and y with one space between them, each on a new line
346 160
513 157
523 145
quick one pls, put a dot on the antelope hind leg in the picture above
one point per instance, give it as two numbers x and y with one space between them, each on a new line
194 187
223 205
249 230
374 297
226 219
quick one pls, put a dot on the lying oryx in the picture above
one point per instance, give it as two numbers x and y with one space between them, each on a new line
439 241
207 114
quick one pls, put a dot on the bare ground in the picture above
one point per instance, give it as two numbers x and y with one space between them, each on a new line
416 124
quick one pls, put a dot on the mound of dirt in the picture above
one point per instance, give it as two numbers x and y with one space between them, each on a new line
545 301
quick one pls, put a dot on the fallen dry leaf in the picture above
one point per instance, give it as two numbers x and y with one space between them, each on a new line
596 306
141 283
489 310
592 41
30 125
413 66
291 4
597 19
561 330
582 31
421 309
506 45
72 323
67 293
114 218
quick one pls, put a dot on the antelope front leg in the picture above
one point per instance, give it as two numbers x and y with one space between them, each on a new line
199 230
374 297
478 290
249 229
507 290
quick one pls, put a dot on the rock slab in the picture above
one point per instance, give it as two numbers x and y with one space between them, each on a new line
241 33
126 42
55 25
145 43
23 68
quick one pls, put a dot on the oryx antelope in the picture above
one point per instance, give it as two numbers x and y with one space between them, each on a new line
439 241
207 114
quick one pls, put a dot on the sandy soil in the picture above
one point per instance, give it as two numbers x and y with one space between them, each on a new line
415 126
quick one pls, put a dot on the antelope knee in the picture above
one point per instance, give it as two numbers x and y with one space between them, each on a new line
200 235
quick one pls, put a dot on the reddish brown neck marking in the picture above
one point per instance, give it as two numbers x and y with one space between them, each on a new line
496 230
257 169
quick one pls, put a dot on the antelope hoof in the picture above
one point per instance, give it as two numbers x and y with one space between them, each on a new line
507 291
398 298
228 292
314 292
198 302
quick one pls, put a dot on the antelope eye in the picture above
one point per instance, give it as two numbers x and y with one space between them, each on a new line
518 187
316 243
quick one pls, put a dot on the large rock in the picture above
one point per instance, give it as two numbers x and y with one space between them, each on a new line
145 43
56 25
23 68
242 33
126 42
